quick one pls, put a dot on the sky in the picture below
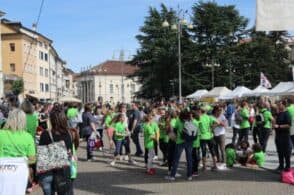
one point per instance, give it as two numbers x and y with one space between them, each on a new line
90 32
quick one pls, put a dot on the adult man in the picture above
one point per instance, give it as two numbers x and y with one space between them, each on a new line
135 128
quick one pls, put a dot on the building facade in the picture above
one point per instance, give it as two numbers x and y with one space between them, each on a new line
29 55
108 82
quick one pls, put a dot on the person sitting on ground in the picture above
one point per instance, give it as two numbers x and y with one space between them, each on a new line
231 155
243 152
257 157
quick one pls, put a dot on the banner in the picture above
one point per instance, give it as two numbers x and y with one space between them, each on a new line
274 15
264 81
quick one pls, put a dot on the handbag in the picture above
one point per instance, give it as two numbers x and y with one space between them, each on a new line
73 160
52 156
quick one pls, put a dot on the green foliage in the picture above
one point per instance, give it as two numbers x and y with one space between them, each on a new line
18 86
220 35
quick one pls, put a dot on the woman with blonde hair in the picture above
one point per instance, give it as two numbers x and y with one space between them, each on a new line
17 149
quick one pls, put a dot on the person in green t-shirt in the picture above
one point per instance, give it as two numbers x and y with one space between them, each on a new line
257 157
149 130
231 155
171 125
245 124
119 135
265 131
108 125
31 119
290 109
206 137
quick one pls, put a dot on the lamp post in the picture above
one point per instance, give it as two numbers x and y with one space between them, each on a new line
1 65
212 65
180 23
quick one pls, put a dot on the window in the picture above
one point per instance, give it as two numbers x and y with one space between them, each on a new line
12 47
133 88
111 88
46 56
12 67
40 44
41 55
67 84
41 71
46 87
41 87
46 72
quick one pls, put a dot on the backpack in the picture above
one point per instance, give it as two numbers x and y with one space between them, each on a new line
238 118
259 119
189 132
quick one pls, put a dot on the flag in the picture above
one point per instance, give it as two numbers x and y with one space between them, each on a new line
264 81
274 15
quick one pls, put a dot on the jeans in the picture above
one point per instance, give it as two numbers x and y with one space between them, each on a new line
126 144
196 159
255 134
264 134
135 138
284 150
235 133
164 149
151 154
118 146
179 149
220 146
90 149
211 147
171 153
46 182
243 135
101 134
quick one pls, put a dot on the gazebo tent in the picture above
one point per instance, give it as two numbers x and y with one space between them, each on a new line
258 91
238 92
280 88
217 92
198 94
289 92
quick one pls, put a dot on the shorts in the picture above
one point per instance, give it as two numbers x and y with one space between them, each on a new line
110 131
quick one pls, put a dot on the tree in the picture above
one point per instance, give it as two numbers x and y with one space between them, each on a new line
17 86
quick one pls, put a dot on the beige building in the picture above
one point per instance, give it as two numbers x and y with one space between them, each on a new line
108 81
30 55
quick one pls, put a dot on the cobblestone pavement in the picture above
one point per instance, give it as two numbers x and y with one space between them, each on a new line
99 177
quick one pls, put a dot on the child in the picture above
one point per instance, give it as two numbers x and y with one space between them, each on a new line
257 157
163 139
196 143
244 152
230 155
149 128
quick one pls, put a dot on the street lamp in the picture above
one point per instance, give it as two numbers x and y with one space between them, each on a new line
180 23
212 65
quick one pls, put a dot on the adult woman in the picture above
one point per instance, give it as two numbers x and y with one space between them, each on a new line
60 132
219 133
15 142
282 128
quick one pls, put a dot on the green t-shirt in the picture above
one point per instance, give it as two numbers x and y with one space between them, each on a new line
259 157
245 116
179 129
119 127
16 144
108 120
163 135
230 157
32 124
149 131
196 142
205 125
290 109
268 117
173 123
72 113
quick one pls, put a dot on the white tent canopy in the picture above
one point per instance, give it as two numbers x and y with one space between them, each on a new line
217 92
258 91
289 92
70 99
238 92
280 88
198 94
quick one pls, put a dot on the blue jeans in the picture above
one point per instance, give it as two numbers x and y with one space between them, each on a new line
188 150
46 182
135 138
118 146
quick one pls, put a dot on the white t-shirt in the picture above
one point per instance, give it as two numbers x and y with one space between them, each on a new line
220 130
99 121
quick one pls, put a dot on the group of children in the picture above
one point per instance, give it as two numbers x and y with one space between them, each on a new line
164 128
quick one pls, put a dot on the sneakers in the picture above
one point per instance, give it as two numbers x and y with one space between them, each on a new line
178 175
151 172
100 149
155 158
169 178
189 179
112 163
132 162
162 164
195 174
91 159
126 157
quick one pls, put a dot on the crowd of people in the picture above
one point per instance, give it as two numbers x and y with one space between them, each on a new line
168 127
